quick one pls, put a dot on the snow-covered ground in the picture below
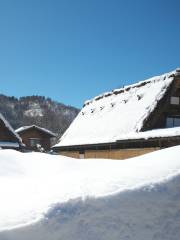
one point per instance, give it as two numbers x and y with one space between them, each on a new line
54 197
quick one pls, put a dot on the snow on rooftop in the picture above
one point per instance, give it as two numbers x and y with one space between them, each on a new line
24 128
133 199
109 116
155 133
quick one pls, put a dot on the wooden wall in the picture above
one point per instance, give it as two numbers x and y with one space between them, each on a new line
35 133
164 109
110 154
5 134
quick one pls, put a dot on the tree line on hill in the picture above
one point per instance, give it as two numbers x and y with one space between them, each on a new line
37 110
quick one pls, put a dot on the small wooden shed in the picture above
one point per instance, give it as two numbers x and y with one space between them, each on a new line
36 138
127 122
9 139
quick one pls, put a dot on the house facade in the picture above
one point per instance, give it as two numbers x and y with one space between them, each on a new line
127 122
9 139
36 138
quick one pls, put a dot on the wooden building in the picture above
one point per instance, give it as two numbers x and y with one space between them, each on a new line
9 139
36 138
127 122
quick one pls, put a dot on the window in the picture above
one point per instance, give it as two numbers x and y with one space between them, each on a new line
176 122
175 100
34 141
173 122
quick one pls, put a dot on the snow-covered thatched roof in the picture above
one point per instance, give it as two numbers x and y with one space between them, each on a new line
24 128
114 115
9 127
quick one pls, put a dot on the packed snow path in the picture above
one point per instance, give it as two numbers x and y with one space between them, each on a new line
54 197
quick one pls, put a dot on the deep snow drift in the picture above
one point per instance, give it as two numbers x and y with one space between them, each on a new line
52 197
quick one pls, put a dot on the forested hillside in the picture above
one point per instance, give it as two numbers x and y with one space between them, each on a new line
37 110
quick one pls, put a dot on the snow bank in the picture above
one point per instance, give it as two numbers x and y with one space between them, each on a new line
90 199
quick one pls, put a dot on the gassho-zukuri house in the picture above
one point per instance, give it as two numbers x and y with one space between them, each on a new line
33 136
9 139
127 122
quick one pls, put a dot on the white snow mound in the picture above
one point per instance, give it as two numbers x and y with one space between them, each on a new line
32 183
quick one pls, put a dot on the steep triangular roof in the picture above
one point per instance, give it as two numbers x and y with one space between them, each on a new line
9 128
24 128
121 112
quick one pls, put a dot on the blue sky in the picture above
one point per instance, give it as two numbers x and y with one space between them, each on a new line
73 50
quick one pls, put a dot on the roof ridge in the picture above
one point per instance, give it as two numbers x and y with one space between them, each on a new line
134 85
23 128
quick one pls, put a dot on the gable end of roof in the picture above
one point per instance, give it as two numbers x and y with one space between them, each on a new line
46 131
